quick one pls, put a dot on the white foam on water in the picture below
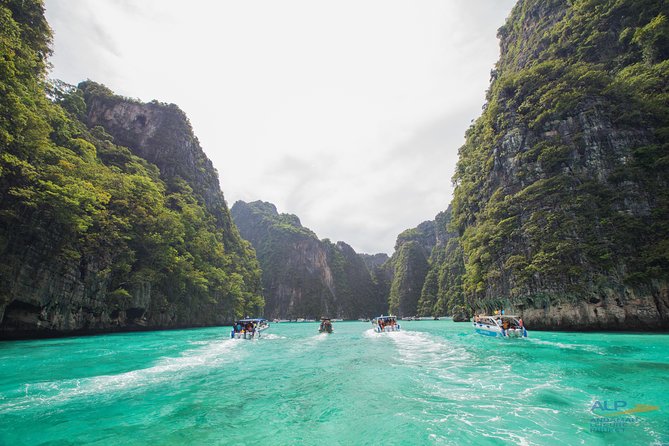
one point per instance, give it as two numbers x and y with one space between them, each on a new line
423 350
473 390
437 364
586 347
532 390
271 336
310 342
57 392
320 337
370 333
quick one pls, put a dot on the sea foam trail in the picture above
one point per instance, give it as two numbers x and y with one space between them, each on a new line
418 348
477 394
271 336
584 347
53 393
309 343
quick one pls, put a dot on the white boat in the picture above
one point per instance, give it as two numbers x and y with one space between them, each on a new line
385 324
505 326
248 328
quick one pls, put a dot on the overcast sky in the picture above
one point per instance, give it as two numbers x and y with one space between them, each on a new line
347 113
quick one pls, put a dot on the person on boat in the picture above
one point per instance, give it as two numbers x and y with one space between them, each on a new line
520 322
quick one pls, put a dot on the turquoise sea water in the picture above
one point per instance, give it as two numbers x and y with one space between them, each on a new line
435 382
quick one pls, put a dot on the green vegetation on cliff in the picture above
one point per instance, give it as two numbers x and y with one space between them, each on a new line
442 292
427 269
409 274
304 276
91 235
561 187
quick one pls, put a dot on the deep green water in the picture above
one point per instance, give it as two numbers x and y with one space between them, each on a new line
433 383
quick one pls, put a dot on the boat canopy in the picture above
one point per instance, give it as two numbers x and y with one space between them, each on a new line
252 320
386 318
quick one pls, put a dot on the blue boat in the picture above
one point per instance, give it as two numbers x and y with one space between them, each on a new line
248 328
505 326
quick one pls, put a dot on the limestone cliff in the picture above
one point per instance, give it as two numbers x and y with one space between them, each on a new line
162 135
302 275
111 217
427 270
561 195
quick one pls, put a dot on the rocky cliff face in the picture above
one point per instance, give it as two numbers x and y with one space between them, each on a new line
162 135
302 275
97 236
561 187
427 270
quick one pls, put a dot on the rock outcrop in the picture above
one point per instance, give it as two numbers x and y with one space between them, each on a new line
561 196
304 277
426 270
561 206
111 216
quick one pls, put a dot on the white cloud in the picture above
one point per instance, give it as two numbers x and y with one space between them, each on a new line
348 113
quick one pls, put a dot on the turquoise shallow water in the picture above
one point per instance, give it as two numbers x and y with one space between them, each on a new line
435 382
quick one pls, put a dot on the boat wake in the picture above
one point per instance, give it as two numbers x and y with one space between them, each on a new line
48 394
456 382
313 341
423 350
370 333
271 336
562 345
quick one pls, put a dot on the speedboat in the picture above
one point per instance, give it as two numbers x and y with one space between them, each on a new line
384 324
248 328
505 326
326 326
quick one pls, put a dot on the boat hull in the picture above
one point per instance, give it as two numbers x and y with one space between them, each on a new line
387 329
487 330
